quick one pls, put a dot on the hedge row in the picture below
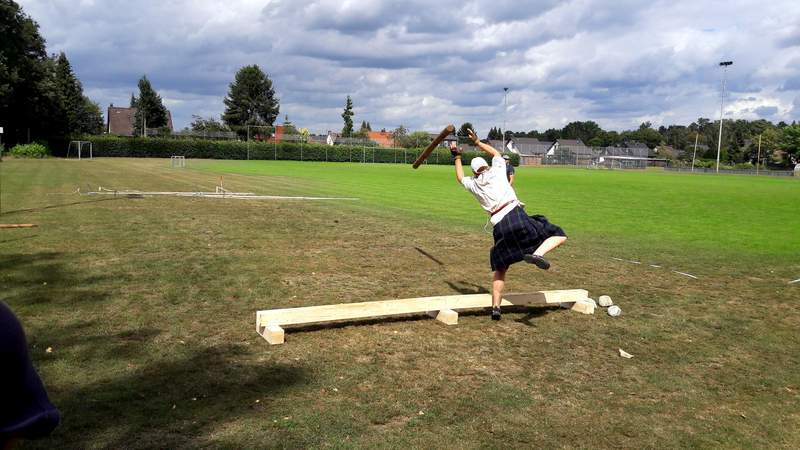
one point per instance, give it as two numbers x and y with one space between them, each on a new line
164 148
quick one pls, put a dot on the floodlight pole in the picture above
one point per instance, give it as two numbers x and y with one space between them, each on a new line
758 158
505 117
696 135
724 65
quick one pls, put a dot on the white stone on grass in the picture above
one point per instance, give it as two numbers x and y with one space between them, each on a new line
605 301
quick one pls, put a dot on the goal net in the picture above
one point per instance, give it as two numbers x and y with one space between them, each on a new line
79 150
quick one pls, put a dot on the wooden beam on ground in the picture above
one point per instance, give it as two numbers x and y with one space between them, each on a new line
446 309
18 225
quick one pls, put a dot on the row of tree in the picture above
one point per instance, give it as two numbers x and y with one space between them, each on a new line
40 95
739 138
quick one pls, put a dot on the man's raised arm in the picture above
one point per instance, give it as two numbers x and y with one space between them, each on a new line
457 161
491 151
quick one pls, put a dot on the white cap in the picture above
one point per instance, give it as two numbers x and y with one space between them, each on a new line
477 163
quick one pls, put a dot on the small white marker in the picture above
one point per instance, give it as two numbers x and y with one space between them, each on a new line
618 259
795 281
687 274
634 262
655 265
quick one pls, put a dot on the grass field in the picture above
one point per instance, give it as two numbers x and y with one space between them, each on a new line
148 308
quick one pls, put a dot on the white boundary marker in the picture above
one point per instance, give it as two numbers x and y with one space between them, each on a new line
656 266
687 274
220 193
795 281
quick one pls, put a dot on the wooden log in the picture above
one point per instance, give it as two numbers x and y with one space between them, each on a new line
18 225
448 130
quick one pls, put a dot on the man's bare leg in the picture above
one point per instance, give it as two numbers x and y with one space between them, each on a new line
537 257
498 283
549 244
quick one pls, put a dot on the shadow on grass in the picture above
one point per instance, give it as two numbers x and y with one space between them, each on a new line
429 256
22 238
178 401
465 288
47 277
62 205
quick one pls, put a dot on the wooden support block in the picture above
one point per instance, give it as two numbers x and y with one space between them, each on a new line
446 316
583 307
273 334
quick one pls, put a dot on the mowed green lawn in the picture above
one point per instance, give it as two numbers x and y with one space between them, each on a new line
147 306
652 215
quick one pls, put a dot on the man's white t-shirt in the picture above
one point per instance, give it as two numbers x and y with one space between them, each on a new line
492 190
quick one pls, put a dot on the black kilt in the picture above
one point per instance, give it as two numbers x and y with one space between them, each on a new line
519 234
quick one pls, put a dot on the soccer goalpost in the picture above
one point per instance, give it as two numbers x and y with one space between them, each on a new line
78 149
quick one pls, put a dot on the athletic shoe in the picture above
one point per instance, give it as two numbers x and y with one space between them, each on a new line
537 260
496 313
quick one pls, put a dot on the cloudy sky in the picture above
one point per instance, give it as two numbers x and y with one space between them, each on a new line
424 64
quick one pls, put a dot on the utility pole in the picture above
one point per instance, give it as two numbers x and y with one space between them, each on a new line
505 117
724 65
696 135
758 158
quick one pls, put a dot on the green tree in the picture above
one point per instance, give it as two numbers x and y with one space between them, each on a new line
251 100
70 91
150 111
418 139
90 120
552 135
27 101
790 142
463 132
201 124
347 116
80 114
585 131
363 132
400 136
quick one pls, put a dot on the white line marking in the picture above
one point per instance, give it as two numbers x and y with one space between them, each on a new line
795 281
656 266
687 274
617 259
230 195
634 262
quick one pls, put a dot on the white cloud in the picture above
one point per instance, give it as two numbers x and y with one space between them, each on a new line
424 64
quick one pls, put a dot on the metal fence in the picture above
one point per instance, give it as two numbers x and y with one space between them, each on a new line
582 156
770 173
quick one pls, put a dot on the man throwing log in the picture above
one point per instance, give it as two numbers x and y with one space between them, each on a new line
517 236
